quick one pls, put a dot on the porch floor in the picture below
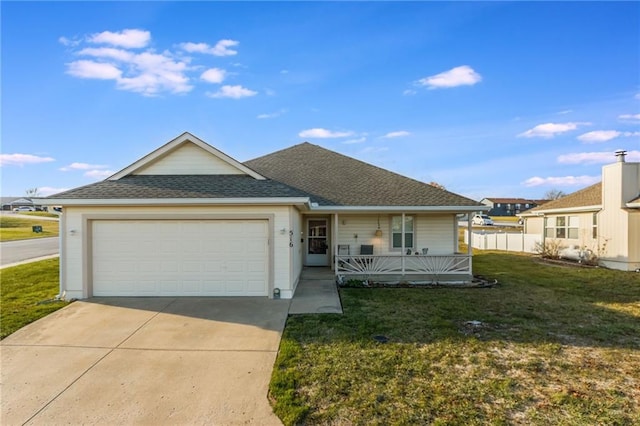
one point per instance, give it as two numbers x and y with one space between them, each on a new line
317 293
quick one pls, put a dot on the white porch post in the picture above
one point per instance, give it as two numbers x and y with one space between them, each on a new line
334 238
470 245
402 239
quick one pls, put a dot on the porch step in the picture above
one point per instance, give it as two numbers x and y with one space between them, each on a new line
317 273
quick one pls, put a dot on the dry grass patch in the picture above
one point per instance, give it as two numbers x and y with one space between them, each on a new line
553 346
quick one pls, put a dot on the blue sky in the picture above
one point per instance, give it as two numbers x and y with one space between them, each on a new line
489 99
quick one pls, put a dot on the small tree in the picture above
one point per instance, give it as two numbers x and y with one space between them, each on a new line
553 194
32 192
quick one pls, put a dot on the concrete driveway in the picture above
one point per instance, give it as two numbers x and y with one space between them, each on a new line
144 361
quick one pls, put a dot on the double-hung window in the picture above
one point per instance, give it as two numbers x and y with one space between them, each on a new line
396 232
562 227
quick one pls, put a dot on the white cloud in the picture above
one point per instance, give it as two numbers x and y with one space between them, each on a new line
320 133
222 48
271 115
269 92
599 136
91 69
68 42
284 71
398 134
108 52
213 75
130 38
45 191
22 159
459 76
564 112
409 92
234 92
633 117
82 166
549 130
562 181
354 141
595 157
147 71
637 96
99 174
605 135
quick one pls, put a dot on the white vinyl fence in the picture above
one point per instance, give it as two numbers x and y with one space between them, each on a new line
504 241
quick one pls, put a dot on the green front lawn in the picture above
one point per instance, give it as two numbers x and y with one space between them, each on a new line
555 345
24 288
18 228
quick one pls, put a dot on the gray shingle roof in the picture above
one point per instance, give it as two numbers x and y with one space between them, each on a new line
589 196
185 186
348 181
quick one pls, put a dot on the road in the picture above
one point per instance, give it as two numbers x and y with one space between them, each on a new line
18 251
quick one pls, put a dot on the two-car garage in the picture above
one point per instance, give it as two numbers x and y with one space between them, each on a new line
179 257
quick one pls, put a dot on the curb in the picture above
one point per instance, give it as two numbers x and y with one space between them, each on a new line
35 259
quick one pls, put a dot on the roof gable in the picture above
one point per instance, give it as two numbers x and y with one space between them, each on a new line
350 182
186 155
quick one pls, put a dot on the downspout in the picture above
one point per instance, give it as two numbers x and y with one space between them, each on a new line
61 244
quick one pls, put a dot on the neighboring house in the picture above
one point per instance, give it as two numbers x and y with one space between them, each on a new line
10 203
188 220
509 206
604 217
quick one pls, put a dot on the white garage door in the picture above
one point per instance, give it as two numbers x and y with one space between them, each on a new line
180 258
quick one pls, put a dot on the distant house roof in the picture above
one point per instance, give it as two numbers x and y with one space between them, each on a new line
350 182
589 196
512 200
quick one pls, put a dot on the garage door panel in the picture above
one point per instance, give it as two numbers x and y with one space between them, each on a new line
173 258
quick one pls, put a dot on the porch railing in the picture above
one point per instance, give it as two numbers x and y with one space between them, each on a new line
434 265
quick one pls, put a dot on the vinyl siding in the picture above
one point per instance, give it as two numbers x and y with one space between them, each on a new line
189 159
435 232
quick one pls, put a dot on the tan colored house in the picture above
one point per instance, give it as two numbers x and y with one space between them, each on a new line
604 217
188 220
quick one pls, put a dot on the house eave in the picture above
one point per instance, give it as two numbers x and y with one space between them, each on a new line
397 209
562 210
297 201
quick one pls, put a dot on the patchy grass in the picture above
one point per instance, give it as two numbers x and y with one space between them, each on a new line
40 214
22 288
18 228
556 345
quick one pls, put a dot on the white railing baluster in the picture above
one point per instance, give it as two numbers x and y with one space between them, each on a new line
393 264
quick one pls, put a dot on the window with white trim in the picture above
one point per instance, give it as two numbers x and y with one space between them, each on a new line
594 226
562 227
396 232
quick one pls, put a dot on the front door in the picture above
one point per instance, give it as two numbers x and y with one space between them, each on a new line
317 242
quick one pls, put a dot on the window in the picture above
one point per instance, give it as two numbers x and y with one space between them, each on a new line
562 227
594 229
396 232
498 205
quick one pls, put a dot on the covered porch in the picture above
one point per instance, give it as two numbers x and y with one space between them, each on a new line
398 246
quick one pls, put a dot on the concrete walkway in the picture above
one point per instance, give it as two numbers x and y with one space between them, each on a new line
316 293
109 361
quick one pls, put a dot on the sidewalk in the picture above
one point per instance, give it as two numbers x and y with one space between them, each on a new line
316 293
